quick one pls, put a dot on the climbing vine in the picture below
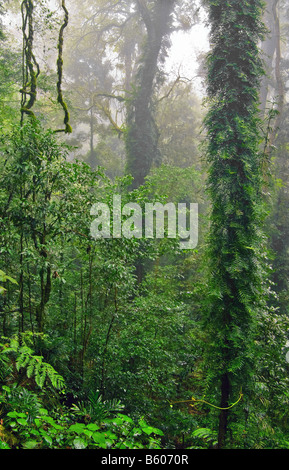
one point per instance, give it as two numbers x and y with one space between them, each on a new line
60 98
236 288
30 67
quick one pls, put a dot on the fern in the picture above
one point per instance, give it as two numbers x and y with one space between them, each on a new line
35 366
208 435
22 361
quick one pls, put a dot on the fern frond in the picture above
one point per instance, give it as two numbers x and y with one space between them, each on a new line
35 366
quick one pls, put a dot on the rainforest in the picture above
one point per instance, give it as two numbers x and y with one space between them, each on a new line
144 227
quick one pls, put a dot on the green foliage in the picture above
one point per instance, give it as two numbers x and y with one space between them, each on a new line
10 79
97 409
105 341
27 424
35 366
4 278
82 293
45 432
206 437
238 272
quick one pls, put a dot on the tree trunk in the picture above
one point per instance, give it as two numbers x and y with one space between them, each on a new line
223 416
142 134
268 47
45 290
236 283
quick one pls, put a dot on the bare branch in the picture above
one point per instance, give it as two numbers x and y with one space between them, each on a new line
179 79
107 113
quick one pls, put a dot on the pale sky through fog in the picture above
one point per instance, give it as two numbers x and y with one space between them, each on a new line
184 52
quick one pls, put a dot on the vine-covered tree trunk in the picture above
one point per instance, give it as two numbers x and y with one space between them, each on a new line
235 187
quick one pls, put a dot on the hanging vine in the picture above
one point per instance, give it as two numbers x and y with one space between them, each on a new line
30 67
60 98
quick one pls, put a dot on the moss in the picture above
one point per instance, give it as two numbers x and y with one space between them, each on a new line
29 62
60 98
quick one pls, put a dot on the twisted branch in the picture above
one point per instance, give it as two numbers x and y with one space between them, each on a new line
29 62
60 98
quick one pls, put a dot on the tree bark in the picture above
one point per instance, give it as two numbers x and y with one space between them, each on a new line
142 134
223 417
268 47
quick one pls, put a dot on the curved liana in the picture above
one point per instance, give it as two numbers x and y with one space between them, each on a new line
30 67
60 98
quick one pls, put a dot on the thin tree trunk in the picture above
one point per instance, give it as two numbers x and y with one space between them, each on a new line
223 417
268 48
